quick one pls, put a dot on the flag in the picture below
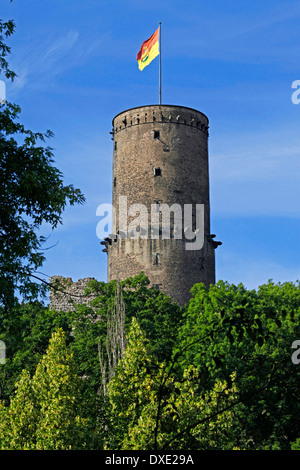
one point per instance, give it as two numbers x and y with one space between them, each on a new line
149 50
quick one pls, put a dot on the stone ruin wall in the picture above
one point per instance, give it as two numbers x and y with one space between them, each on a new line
67 293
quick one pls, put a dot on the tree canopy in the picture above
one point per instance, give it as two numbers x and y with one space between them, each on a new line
226 379
32 192
44 413
231 329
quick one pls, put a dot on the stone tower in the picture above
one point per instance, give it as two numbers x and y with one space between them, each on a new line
160 161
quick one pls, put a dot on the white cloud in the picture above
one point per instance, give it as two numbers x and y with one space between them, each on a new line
35 61
256 174
61 46
38 65
237 36
257 163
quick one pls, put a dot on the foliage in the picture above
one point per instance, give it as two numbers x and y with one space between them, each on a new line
150 409
26 332
224 381
44 414
32 192
158 316
6 29
230 329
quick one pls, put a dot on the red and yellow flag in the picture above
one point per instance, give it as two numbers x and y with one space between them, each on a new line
149 50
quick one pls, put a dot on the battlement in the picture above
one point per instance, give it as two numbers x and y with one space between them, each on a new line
177 115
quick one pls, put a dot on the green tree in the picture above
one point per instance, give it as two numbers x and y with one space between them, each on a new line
32 192
26 332
56 385
158 316
151 409
28 328
231 329
6 30
18 421
45 412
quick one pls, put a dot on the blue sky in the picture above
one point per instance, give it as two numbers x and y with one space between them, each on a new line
235 61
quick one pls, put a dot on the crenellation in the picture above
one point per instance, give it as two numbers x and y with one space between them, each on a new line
182 117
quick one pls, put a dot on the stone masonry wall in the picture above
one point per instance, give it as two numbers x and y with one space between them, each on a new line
160 156
67 293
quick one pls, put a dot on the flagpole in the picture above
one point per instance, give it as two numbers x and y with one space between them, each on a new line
159 62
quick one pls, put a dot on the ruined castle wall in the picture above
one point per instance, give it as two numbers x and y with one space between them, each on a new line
66 293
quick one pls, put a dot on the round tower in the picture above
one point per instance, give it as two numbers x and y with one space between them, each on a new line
161 199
